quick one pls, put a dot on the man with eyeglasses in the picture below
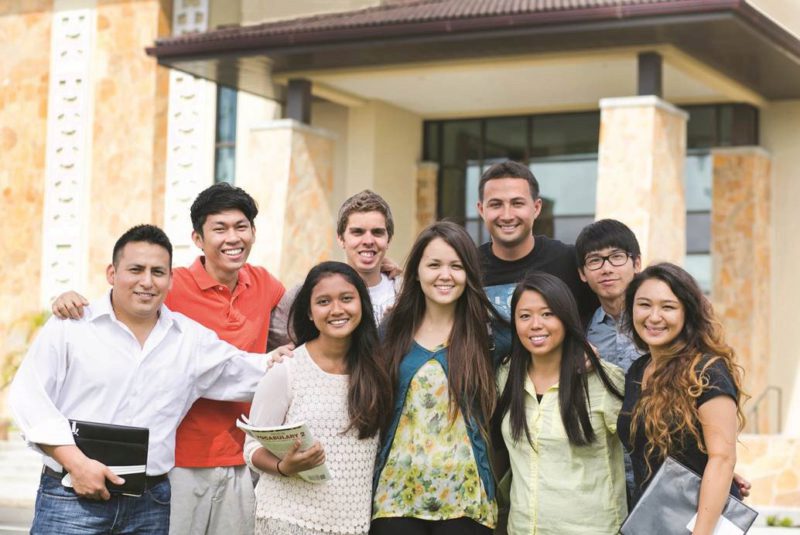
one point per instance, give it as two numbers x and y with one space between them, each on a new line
608 258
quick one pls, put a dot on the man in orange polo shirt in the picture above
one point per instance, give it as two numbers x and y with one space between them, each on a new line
212 490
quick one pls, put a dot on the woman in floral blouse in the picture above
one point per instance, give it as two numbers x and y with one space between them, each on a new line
433 473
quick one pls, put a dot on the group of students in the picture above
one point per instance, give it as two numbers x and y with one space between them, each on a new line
489 375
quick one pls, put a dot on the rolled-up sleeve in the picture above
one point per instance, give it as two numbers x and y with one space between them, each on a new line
35 386
270 405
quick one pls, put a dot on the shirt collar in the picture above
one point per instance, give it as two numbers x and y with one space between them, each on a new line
205 281
102 307
601 316
531 390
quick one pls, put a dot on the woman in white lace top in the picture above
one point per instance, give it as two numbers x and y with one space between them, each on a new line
335 384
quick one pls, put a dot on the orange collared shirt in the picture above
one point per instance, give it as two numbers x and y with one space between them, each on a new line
208 435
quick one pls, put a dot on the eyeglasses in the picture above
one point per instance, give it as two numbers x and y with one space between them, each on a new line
616 259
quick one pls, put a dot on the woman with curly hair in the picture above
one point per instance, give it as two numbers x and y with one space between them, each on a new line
433 473
683 398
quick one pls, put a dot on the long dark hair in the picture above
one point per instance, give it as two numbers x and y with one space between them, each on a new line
573 389
367 399
667 408
470 373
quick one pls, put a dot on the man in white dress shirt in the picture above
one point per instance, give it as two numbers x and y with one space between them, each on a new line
128 361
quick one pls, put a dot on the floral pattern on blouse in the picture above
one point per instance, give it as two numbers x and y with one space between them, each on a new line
430 472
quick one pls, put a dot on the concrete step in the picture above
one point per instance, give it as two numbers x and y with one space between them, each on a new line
20 468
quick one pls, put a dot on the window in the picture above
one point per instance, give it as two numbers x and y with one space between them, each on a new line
564 161
698 178
561 150
225 136
722 125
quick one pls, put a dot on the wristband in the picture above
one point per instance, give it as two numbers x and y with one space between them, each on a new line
278 468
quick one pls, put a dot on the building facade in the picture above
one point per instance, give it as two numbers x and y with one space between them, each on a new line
679 117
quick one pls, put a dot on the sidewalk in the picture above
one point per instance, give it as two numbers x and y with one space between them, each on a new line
19 478
20 468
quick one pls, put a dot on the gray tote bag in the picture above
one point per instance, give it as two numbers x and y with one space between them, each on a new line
669 506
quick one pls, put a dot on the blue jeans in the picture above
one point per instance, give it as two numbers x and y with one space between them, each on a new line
59 511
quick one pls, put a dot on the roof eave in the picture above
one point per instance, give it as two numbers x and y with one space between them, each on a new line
245 39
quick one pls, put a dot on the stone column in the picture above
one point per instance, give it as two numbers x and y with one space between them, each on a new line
290 174
640 173
427 173
741 271
129 100
68 155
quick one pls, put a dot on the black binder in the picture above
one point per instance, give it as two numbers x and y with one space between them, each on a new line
115 446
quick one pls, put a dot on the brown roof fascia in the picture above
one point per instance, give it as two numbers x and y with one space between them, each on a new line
770 29
248 39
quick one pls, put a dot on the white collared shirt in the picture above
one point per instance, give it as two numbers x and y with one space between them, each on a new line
94 369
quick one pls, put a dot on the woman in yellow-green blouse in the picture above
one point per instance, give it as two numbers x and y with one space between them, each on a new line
557 416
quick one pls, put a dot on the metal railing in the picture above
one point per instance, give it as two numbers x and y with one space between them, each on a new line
755 411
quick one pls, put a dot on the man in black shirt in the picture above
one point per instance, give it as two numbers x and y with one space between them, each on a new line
509 203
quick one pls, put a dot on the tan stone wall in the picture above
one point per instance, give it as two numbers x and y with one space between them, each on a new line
23 107
129 127
640 173
741 269
160 120
290 175
772 464
309 231
333 118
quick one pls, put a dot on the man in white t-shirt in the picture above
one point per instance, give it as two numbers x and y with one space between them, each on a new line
364 229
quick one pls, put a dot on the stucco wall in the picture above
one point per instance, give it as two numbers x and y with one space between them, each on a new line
383 145
784 12
780 135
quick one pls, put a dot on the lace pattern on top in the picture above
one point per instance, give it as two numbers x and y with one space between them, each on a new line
343 504
270 526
